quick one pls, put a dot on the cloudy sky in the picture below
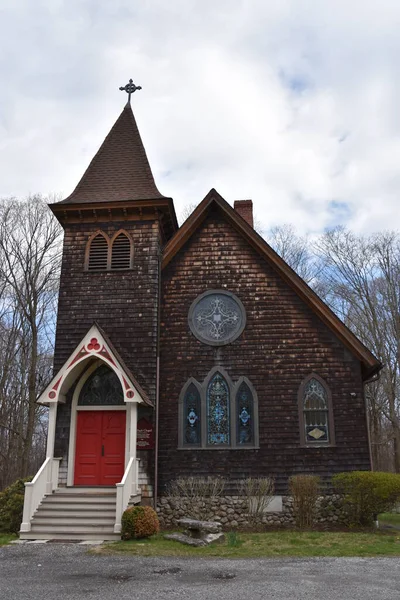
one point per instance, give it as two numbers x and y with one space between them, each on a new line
293 103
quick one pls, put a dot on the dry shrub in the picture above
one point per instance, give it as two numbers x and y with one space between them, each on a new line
258 492
139 522
305 491
195 494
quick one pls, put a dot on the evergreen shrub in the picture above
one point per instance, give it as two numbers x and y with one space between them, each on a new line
12 505
367 493
305 491
139 522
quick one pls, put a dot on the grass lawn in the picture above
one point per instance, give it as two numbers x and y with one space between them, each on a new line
274 544
390 518
6 538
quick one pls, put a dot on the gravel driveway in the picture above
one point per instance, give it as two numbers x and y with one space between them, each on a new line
55 571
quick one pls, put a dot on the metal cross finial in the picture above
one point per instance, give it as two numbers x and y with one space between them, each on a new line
130 88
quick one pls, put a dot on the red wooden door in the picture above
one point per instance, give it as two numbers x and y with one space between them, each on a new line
113 459
100 447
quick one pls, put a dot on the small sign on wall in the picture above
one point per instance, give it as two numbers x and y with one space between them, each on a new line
145 438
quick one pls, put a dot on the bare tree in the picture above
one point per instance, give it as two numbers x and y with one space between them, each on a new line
186 212
296 251
30 252
362 278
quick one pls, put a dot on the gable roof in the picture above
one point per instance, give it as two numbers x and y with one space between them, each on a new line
370 364
120 170
94 346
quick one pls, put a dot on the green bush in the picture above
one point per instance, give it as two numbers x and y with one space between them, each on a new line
367 493
139 522
11 506
305 490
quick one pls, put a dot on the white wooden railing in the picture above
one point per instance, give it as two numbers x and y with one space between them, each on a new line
44 482
127 488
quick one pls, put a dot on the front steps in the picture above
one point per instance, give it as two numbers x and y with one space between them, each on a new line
75 514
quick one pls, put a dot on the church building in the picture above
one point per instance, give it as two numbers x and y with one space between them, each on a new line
183 351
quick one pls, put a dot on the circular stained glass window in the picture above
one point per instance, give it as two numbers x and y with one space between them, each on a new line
217 317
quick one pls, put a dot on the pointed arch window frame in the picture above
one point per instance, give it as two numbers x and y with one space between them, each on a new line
233 388
304 442
110 243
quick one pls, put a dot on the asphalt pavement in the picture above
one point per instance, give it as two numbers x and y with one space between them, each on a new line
60 571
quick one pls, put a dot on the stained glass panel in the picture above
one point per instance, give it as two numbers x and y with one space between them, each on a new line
245 415
316 412
218 428
192 416
217 318
101 388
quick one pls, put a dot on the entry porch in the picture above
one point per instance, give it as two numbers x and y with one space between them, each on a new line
100 469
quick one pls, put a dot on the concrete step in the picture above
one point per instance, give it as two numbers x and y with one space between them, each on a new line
69 536
78 499
85 528
75 520
56 511
76 514
87 490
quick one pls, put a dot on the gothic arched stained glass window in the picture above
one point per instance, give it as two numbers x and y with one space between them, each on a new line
315 412
244 416
218 412
102 388
192 416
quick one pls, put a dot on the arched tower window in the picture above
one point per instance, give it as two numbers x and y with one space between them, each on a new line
102 388
244 415
218 412
104 255
97 259
121 252
315 411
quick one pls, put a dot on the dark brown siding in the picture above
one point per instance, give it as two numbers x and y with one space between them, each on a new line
282 343
124 303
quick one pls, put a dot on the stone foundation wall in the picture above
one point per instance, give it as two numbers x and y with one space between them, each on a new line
232 511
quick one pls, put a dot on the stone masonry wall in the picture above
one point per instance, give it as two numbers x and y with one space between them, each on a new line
232 512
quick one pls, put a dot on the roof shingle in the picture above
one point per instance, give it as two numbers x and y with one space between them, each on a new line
120 170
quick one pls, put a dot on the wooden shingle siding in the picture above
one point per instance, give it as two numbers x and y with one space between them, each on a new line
282 343
123 303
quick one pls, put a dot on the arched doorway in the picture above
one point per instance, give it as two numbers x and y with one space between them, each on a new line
100 429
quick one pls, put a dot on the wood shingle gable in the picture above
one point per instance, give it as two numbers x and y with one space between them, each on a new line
369 363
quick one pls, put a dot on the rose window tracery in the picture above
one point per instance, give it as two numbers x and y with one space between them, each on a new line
217 318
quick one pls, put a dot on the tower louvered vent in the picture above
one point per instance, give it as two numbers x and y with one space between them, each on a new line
98 254
121 252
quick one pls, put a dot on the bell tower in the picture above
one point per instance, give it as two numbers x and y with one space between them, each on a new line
116 223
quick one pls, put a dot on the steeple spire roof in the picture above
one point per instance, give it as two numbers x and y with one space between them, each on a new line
120 171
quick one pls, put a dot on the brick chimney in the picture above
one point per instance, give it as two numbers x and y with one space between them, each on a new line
245 210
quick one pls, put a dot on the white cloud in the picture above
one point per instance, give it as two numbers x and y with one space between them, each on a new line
293 103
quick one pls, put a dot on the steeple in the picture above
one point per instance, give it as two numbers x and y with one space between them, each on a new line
120 171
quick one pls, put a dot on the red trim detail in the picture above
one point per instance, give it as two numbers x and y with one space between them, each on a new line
94 345
82 352
52 395
130 393
107 355
55 386
127 386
